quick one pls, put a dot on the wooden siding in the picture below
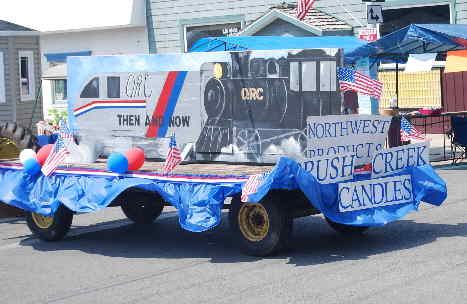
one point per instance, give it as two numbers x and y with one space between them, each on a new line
15 109
6 108
461 11
24 109
353 12
168 17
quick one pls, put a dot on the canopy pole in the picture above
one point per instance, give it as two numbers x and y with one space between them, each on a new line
397 85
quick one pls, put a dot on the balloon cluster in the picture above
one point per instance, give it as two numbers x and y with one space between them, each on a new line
32 161
123 162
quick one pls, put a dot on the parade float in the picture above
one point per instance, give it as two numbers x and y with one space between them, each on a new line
258 132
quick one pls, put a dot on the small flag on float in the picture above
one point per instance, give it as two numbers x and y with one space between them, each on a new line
408 131
303 6
60 149
56 156
173 156
252 184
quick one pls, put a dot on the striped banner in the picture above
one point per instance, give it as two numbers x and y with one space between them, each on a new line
109 104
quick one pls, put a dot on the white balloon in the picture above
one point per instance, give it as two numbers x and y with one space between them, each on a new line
27 154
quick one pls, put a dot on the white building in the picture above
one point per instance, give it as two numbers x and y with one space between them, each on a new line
78 28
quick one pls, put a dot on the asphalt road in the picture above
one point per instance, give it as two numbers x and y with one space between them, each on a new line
105 259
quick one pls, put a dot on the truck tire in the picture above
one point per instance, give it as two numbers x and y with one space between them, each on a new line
347 229
50 228
141 207
22 137
261 229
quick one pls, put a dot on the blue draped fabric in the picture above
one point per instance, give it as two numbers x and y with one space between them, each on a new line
199 204
288 174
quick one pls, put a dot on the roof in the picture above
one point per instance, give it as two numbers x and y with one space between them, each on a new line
413 39
315 21
57 16
8 26
318 19
242 43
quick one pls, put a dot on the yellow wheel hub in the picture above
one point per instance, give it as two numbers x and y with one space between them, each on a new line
253 221
43 222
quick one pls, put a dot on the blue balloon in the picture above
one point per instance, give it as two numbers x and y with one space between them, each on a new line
117 162
32 166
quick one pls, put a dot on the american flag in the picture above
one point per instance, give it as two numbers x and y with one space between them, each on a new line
56 156
59 151
408 131
351 80
303 6
173 156
252 184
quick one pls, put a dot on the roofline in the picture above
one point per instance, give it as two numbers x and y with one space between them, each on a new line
274 14
100 28
19 33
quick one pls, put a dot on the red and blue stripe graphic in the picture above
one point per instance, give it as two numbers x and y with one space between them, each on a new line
109 104
166 104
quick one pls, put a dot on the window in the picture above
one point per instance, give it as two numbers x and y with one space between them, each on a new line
258 67
309 76
294 77
2 80
397 18
327 76
59 90
194 33
273 68
91 90
26 74
113 87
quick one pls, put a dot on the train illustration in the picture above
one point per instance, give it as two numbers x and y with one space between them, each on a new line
227 106
254 104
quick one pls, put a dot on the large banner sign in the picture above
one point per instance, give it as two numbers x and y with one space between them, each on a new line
375 193
398 158
361 135
246 106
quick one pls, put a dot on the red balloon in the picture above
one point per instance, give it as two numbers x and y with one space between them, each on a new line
43 153
135 159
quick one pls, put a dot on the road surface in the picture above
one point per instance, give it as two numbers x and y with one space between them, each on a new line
105 259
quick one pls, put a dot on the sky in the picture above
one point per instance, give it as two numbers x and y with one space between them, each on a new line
60 15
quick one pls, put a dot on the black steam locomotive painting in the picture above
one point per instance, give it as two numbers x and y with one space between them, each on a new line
258 106
249 106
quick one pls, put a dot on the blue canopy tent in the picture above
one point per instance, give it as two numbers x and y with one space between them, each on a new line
243 43
413 39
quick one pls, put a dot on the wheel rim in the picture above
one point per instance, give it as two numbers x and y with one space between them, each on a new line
253 221
43 222
8 149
